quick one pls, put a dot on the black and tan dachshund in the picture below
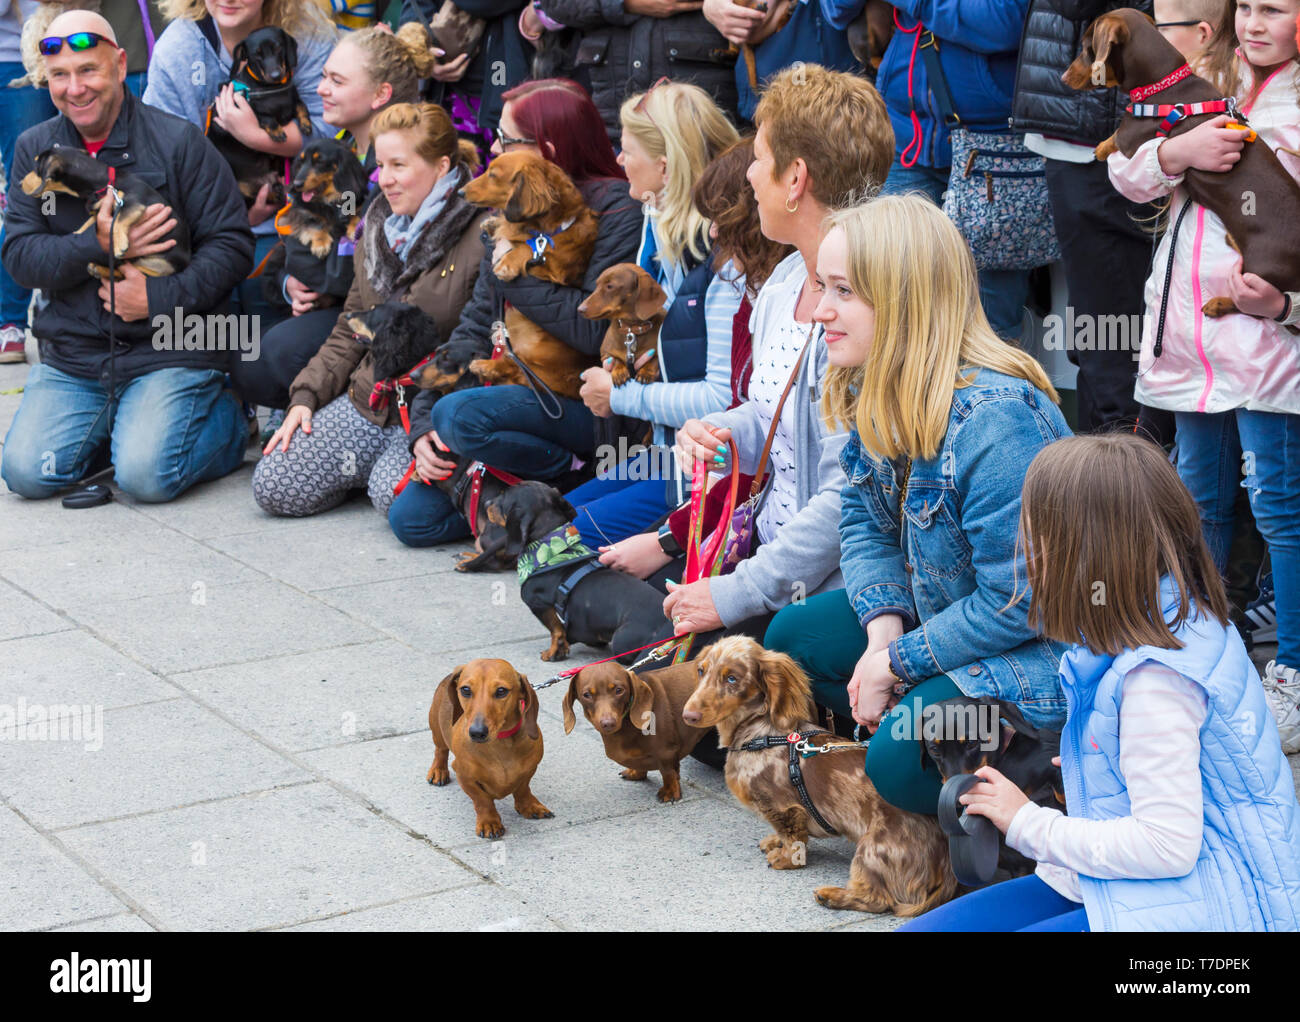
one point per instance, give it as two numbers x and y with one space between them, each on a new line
262 71
398 335
61 169
448 369
326 196
604 607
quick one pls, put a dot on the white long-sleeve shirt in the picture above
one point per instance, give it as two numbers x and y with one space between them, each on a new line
1160 719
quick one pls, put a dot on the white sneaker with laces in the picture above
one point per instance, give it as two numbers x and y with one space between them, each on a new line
1282 690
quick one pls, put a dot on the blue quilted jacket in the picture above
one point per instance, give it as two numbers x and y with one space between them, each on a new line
1247 876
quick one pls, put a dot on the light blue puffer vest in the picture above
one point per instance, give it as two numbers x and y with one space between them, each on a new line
1247 876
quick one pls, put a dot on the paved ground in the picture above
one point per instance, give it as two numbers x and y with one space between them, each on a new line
264 685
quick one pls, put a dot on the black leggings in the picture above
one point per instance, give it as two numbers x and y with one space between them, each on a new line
286 349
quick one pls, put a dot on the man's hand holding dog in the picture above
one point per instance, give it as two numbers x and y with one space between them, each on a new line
130 295
1209 146
699 441
995 797
428 466
147 237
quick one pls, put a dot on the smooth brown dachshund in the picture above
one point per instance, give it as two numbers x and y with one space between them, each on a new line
634 303
485 713
900 864
1124 48
552 234
639 717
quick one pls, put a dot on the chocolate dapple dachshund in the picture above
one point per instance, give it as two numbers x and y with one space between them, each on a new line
1124 48
639 717
485 713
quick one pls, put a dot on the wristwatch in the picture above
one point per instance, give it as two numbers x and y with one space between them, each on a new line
667 543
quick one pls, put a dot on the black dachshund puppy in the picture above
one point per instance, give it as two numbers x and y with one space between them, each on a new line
576 597
73 172
262 71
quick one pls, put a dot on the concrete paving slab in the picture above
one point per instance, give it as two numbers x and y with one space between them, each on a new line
152 757
21 615
480 907
40 886
127 923
698 868
75 668
233 624
149 561
266 860
38 523
323 698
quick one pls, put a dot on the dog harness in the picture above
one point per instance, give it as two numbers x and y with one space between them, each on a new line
1171 113
796 742
472 481
562 548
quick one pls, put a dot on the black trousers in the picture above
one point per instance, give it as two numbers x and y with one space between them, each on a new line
286 349
1106 252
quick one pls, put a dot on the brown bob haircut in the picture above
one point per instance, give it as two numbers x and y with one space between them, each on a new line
723 195
836 123
1102 520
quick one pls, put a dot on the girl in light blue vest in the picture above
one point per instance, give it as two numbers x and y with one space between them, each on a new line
1182 808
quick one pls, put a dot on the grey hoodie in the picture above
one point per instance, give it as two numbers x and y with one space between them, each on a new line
804 558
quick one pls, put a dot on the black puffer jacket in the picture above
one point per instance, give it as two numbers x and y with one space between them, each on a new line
625 53
1052 39
172 156
553 307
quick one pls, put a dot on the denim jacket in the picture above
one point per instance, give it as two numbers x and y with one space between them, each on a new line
957 567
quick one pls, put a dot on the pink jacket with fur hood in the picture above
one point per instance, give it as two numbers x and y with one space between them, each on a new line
1238 361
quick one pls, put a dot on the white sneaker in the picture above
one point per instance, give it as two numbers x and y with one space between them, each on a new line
1282 690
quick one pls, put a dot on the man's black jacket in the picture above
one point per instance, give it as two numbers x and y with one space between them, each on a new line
40 251
1044 104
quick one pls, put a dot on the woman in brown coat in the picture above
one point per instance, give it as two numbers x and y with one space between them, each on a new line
420 244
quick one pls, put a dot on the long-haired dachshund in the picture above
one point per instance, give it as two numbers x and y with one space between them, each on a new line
485 714
1124 48
552 234
262 71
634 303
639 717
325 196
749 693
73 172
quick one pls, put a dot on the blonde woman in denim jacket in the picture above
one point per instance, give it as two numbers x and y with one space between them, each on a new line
951 416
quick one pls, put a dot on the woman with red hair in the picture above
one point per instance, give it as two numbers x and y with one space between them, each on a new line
506 426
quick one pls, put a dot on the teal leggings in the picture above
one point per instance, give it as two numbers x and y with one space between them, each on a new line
824 637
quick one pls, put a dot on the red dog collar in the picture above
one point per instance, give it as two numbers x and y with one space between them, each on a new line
515 730
1147 91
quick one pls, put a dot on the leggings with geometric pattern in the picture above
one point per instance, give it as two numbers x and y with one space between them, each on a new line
343 452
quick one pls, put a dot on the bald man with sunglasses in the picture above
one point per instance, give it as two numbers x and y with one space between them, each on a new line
164 415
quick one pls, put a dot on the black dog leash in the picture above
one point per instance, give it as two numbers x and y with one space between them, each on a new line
501 342
792 741
1158 346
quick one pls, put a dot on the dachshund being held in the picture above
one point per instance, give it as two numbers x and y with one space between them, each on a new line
634 302
639 717
759 700
327 192
485 714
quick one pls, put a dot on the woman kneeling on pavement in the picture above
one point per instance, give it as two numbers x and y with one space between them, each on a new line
420 244
945 419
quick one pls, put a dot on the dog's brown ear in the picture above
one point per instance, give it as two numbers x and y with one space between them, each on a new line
569 719
789 698
451 708
650 297
530 707
642 705
1108 31
531 197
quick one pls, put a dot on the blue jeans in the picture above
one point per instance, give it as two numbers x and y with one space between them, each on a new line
612 508
1023 905
424 516
1002 292
172 428
506 427
1214 452
19 110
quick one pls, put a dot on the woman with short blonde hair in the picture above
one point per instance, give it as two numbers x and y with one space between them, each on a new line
944 419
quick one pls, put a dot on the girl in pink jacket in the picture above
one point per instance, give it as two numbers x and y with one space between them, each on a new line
1233 383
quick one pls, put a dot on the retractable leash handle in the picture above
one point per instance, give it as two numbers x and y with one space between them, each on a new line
972 840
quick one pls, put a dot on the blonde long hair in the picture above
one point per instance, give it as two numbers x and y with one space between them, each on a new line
912 266
297 17
682 123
